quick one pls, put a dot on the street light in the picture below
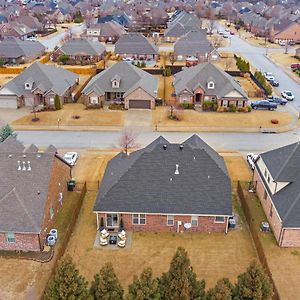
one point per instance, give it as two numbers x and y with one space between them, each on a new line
267 48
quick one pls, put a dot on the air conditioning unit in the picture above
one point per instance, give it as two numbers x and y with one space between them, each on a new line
265 227
51 240
54 232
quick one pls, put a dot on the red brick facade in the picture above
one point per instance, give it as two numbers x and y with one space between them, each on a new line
159 223
35 242
285 237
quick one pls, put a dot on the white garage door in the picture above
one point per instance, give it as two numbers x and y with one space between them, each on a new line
8 103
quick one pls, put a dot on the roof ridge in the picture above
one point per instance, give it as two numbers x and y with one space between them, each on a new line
284 165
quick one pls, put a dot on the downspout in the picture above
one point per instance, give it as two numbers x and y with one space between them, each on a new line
97 221
226 231
39 238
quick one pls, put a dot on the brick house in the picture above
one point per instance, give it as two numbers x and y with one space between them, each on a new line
206 82
164 186
285 30
276 178
123 82
32 188
38 85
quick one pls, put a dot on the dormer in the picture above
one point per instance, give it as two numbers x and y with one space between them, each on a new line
29 84
115 81
210 84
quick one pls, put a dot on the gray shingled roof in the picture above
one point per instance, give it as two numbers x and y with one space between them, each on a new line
284 166
145 182
194 43
82 47
131 77
135 43
110 29
191 78
23 193
45 77
15 48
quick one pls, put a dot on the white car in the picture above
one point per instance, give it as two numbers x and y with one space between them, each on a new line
251 159
71 158
225 36
31 38
281 43
288 95
269 76
128 59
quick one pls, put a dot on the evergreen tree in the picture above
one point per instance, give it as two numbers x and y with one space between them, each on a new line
223 290
106 285
180 282
64 58
144 288
57 102
254 284
5 132
66 283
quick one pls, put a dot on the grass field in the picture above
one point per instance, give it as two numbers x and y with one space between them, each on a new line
90 117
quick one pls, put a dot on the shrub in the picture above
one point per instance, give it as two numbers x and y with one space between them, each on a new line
57 102
64 58
274 121
262 80
242 65
249 108
187 105
143 64
114 106
210 105
232 108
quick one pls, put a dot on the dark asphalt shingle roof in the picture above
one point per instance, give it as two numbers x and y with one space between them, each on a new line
145 181
23 193
284 166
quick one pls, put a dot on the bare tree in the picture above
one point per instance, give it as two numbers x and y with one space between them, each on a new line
172 58
34 106
286 47
211 20
128 139
216 42
229 62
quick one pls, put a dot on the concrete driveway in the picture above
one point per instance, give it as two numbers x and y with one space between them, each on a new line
139 119
7 115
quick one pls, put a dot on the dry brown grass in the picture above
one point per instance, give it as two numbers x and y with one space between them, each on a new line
237 167
161 86
4 78
169 88
213 256
88 117
192 118
284 59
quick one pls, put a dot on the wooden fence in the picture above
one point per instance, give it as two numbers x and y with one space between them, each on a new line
256 239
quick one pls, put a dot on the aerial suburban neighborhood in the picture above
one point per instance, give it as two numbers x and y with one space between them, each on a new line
149 149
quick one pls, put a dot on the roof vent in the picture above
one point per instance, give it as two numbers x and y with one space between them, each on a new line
29 167
19 166
181 147
165 147
24 166
38 155
177 170
208 177
38 192
171 179
10 156
24 155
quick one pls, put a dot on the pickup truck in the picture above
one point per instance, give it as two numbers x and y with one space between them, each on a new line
263 104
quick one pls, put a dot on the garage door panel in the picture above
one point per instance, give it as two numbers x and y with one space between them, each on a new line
8 103
144 104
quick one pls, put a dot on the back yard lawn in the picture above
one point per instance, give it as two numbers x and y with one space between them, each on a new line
193 120
88 117
284 263
213 256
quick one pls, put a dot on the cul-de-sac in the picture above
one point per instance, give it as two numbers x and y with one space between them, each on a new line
149 150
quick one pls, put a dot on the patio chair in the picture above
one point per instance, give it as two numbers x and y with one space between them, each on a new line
122 235
104 234
103 241
122 243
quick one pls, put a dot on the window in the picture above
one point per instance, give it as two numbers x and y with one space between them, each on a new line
94 100
225 103
206 98
265 195
219 219
211 85
10 237
51 101
240 104
112 220
115 84
139 219
170 220
51 211
266 173
268 178
194 221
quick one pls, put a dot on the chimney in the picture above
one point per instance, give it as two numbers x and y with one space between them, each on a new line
177 170
29 167
181 147
165 147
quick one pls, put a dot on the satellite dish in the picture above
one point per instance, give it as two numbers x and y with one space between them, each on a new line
187 225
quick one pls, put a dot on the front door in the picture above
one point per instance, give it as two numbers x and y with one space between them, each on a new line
198 98
112 220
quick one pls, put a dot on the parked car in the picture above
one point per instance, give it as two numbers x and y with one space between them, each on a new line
231 33
292 43
274 82
277 100
31 38
225 36
281 42
295 66
269 76
251 159
128 59
263 104
71 158
288 95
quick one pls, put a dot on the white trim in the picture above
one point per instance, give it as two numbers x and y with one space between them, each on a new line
220 222
194 220
106 220
159 214
139 219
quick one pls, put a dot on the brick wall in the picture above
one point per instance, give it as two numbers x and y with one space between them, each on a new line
58 184
159 223
139 94
24 242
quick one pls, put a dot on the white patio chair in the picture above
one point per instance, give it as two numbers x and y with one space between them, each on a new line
122 243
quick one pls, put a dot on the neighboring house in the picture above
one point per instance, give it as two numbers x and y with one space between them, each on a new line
181 25
14 29
165 186
297 53
285 30
16 51
277 182
37 85
136 46
81 51
105 32
194 44
122 19
125 82
206 82
30 22
32 188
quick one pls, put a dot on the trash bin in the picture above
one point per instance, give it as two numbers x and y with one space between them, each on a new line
71 185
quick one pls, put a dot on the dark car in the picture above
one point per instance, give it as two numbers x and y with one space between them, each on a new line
277 100
295 66
273 82
263 104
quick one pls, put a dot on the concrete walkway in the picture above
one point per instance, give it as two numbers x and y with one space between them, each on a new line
140 119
